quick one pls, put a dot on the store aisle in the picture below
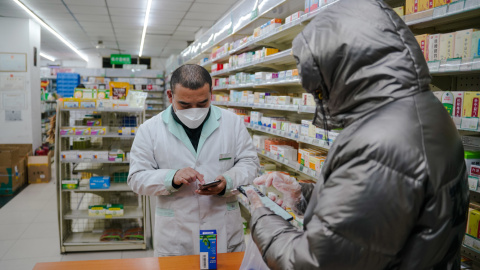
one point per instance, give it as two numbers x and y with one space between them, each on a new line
29 232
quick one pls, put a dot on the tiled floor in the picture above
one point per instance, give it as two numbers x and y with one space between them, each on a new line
29 232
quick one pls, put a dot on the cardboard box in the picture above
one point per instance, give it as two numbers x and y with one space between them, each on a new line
208 249
433 47
423 42
40 168
463 42
13 167
447 46
471 102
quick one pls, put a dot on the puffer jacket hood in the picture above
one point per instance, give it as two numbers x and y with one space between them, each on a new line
358 61
393 190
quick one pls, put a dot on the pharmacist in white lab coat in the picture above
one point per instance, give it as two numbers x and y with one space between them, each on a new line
188 144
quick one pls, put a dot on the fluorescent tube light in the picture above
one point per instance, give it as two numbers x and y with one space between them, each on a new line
145 25
47 57
42 23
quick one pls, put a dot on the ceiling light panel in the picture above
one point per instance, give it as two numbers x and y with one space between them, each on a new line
50 29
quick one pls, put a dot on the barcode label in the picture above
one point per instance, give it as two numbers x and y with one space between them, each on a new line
203 260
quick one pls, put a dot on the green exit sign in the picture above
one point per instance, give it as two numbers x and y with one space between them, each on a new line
120 59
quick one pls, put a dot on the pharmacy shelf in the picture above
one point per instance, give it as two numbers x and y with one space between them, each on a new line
277 60
240 30
129 212
91 241
272 83
451 14
128 110
298 138
153 91
108 135
470 253
454 67
282 34
114 187
159 109
288 108
292 165
93 161
96 168
219 59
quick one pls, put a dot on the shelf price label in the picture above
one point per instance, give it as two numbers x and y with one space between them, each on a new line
470 4
440 11
470 123
434 66
476 63
456 7
453 64
473 183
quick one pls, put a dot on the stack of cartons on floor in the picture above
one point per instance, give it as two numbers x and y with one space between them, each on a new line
13 167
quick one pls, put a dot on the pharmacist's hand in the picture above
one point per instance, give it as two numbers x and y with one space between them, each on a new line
187 176
255 201
287 185
215 190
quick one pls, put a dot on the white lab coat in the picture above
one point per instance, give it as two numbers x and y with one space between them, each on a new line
161 147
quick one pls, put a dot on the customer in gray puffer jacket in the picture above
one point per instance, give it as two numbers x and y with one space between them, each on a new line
393 192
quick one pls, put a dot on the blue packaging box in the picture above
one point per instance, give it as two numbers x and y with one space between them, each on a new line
100 182
208 249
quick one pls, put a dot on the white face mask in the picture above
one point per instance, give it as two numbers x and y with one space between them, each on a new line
192 118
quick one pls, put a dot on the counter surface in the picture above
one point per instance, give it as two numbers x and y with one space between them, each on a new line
225 261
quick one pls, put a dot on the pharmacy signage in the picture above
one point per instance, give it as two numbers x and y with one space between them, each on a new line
120 59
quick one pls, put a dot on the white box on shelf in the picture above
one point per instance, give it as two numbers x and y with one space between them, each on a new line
101 156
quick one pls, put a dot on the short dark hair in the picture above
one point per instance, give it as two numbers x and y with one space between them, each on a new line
191 77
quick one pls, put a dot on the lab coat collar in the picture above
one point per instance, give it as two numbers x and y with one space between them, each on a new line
212 123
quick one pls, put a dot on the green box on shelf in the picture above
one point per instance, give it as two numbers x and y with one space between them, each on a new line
120 177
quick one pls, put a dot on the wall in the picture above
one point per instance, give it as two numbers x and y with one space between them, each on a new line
20 36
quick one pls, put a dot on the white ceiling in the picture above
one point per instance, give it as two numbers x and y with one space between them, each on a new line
119 24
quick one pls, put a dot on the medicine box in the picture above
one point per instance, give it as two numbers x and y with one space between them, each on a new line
69 184
470 104
208 249
423 42
471 158
96 210
433 47
463 42
400 11
114 210
447 46
411 6
294 129
475 50
100 182
473 223
457 107
474 170
305 128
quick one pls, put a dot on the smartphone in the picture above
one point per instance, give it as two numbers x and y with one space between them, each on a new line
210 184
277 209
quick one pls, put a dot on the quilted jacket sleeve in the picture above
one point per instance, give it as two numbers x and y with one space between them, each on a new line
353 225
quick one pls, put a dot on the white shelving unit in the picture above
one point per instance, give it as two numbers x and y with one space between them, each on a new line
78 230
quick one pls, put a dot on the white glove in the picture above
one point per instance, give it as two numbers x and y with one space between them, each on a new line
287 185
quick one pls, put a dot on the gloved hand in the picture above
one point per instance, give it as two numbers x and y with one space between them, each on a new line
287 185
